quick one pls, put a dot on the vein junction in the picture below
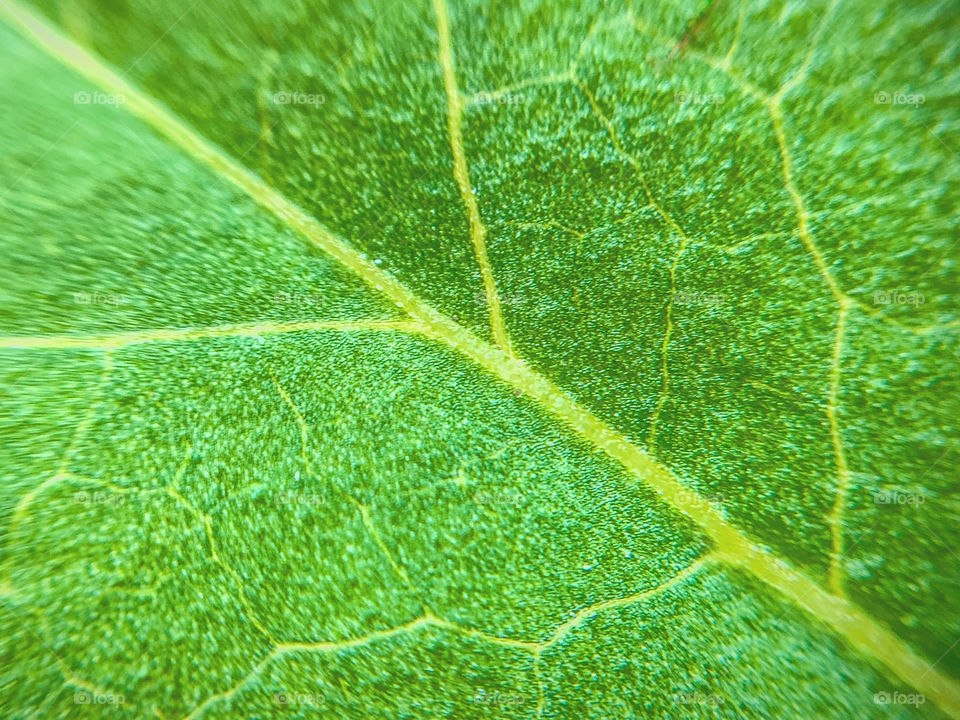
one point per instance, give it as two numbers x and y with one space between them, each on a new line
774 105
732 546
280 650
428 620
361 508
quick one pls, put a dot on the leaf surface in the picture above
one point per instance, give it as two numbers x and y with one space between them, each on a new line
529 360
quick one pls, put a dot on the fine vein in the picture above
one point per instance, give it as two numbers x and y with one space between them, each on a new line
428 619
843 471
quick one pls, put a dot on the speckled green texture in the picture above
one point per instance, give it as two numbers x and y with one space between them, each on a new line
270 521
722 630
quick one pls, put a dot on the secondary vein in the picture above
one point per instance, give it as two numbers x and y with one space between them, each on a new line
461 174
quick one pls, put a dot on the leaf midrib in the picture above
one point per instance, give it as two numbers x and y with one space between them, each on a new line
848 620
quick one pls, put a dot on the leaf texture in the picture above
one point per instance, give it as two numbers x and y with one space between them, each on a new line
536 360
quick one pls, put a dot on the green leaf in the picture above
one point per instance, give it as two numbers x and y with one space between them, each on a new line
535 360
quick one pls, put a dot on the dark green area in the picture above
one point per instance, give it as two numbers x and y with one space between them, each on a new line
715 646
901 408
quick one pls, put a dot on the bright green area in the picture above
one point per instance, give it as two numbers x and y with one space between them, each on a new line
227 494
107 228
